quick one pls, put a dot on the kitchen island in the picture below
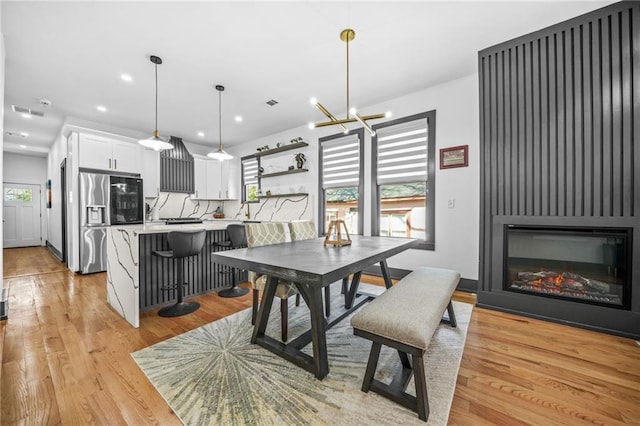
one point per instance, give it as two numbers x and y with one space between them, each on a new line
135 275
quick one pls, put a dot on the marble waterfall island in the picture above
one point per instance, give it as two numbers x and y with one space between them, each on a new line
135 276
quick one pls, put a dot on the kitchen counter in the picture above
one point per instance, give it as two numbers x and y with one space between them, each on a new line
135 275
152 227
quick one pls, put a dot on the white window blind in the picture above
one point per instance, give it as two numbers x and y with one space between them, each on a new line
250 171
402 152
341 162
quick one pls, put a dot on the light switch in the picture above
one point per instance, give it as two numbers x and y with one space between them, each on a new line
451 203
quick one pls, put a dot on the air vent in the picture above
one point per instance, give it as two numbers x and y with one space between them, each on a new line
24 110
17 135
272 102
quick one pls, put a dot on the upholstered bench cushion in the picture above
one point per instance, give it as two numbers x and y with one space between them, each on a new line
410 311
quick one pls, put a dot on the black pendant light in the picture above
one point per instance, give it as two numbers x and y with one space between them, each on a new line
220 154
156 142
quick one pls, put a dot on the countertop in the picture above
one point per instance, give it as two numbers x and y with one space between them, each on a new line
160 227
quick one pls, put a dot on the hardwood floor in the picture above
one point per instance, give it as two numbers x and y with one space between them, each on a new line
66 359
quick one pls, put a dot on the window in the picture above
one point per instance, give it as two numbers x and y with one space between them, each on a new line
250 179
403 170
341 188
18 194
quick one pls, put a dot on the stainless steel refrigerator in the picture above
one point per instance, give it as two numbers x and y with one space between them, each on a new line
94 221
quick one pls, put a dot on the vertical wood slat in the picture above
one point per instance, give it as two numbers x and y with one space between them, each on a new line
202 275
559 113
626 86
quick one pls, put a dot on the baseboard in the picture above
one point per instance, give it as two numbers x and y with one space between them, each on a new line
57 253
4 304
467 285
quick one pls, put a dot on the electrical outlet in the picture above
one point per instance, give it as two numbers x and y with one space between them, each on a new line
451 203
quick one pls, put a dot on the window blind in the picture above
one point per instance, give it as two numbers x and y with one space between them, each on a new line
402 152
341 162
250 171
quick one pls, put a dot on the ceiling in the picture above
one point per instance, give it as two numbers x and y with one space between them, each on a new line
73 53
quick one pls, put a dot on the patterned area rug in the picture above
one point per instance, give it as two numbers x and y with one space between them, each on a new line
213 375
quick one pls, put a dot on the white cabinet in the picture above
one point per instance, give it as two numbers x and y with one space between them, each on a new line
200 178
211 180
151 173
98 152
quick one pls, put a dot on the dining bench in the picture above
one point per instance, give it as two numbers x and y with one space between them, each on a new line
405 317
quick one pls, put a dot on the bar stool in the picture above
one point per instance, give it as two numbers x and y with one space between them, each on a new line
183 244
237 239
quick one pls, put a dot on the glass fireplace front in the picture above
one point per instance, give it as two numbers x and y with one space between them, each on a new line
590 265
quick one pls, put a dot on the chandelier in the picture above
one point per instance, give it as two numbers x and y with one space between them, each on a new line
352 115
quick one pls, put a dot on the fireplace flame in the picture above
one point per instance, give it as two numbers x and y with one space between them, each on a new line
559 279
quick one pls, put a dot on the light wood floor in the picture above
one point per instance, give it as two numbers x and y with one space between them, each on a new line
66 359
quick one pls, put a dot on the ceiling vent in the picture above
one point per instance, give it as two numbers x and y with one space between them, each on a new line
272 102
17 135
24 110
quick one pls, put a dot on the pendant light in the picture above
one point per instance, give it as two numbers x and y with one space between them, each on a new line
220 154
156 142
352 115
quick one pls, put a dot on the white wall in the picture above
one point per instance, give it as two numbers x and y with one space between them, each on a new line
2 58
54 220
457 123
28 169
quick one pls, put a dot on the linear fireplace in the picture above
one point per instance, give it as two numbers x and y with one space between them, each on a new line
588 265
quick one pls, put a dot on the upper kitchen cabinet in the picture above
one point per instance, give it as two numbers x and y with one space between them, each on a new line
212 180
98 152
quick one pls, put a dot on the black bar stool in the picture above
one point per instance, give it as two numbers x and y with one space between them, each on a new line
237 239
183 244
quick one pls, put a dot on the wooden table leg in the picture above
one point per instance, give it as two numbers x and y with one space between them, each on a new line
268 293
385 274
353 290
318 336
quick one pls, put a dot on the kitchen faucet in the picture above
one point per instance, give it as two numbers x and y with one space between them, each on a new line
248 214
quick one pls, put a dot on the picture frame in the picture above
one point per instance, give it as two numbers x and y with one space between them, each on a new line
455 156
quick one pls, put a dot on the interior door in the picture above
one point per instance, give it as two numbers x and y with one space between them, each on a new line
21 220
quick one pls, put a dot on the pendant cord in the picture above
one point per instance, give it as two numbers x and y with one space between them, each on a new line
220 119
156 128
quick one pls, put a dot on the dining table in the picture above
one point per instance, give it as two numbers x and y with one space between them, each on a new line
312 266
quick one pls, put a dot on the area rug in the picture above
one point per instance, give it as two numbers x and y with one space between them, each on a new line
213 375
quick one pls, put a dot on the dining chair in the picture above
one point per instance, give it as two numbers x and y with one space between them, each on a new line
262 234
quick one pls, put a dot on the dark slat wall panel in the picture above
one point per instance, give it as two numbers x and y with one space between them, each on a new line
176 168
203 276
560 122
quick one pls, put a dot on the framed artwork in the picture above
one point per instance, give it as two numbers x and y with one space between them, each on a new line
456 156
48 193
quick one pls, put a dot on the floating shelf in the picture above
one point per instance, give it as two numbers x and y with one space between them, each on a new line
284 195
282 148
284 172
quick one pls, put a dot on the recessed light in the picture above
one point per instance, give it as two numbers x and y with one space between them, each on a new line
101 108
238 119
126 77
23 146
26 115
201 134
24 134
